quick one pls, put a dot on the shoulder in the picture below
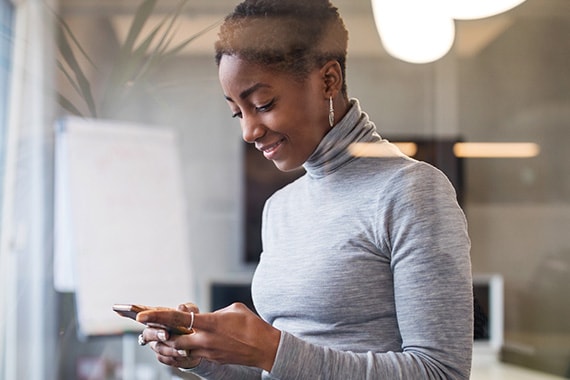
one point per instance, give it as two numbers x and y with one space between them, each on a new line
398 172
401 186
420 175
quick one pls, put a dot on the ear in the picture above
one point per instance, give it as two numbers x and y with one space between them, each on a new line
332 78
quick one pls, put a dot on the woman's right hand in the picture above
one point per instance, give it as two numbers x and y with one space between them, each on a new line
232 335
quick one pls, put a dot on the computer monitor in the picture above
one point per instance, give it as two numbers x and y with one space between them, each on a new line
488 292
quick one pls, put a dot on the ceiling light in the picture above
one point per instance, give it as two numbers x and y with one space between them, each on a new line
460 149
408 148
496 150
420 31
366 149
476 9
413 30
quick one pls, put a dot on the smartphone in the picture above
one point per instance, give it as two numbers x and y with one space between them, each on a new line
131 311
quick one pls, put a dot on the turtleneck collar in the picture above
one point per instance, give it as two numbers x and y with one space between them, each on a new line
332 152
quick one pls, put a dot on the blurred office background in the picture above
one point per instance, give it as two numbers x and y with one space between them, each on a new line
505 80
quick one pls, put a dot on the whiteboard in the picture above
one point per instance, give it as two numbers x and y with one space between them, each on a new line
121 229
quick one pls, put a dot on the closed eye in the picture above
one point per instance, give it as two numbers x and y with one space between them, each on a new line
266 107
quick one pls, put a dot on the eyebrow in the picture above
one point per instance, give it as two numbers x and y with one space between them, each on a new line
247 92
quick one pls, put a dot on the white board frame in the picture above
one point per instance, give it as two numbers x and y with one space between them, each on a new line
121 225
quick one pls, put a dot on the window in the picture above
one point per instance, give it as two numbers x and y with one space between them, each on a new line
6 15
6 12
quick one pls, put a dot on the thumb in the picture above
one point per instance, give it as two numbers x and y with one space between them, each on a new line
188 307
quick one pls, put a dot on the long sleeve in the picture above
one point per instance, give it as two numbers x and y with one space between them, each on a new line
214 371
393 303
365 269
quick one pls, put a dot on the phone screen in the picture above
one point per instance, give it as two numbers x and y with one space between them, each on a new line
129 311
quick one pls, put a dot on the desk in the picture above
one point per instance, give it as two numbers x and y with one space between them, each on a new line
492 369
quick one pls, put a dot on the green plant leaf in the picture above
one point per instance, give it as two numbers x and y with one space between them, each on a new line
82 81
68 105
141 52
168 33
64 28
130 59
175 50
135 62
162 44
142 15
137 57
70 79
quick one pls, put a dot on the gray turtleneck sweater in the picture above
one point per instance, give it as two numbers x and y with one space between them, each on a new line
365 268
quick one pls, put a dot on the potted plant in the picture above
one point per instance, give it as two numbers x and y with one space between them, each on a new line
138 57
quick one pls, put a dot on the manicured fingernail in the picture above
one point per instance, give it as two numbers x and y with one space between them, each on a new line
161 335
182 353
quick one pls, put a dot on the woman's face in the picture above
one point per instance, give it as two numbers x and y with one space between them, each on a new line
285 118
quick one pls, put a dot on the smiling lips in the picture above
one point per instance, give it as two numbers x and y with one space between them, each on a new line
269 151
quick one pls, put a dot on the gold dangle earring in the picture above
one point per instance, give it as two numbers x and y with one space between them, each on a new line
331 112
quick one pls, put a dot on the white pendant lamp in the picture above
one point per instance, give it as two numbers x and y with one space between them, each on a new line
422 31
476 9
413 30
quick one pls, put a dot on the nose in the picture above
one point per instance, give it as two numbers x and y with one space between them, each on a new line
251 129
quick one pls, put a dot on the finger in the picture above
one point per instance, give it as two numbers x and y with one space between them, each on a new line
151 334
170 352
188 307
178 362
166 350
204 321
170 356
209 321
165 317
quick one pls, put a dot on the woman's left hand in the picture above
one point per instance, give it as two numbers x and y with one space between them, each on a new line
233 335
161 341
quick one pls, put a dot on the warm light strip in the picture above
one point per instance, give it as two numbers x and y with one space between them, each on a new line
460 149
495 150
367 149
408 148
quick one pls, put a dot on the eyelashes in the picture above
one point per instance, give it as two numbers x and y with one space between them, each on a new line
264 108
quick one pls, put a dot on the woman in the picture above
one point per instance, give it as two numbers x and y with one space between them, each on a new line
365 270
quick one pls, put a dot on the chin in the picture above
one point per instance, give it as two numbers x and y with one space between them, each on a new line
286 166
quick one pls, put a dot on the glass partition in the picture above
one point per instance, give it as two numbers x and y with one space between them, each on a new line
6 16
506 81
6 22
517 89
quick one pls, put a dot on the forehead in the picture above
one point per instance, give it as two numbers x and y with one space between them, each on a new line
237 72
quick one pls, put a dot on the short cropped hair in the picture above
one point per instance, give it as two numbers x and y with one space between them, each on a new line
289 36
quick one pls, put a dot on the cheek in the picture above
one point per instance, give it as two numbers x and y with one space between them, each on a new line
312 122
311 110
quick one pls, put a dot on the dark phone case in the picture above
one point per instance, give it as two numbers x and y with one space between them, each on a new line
128 311
131 311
